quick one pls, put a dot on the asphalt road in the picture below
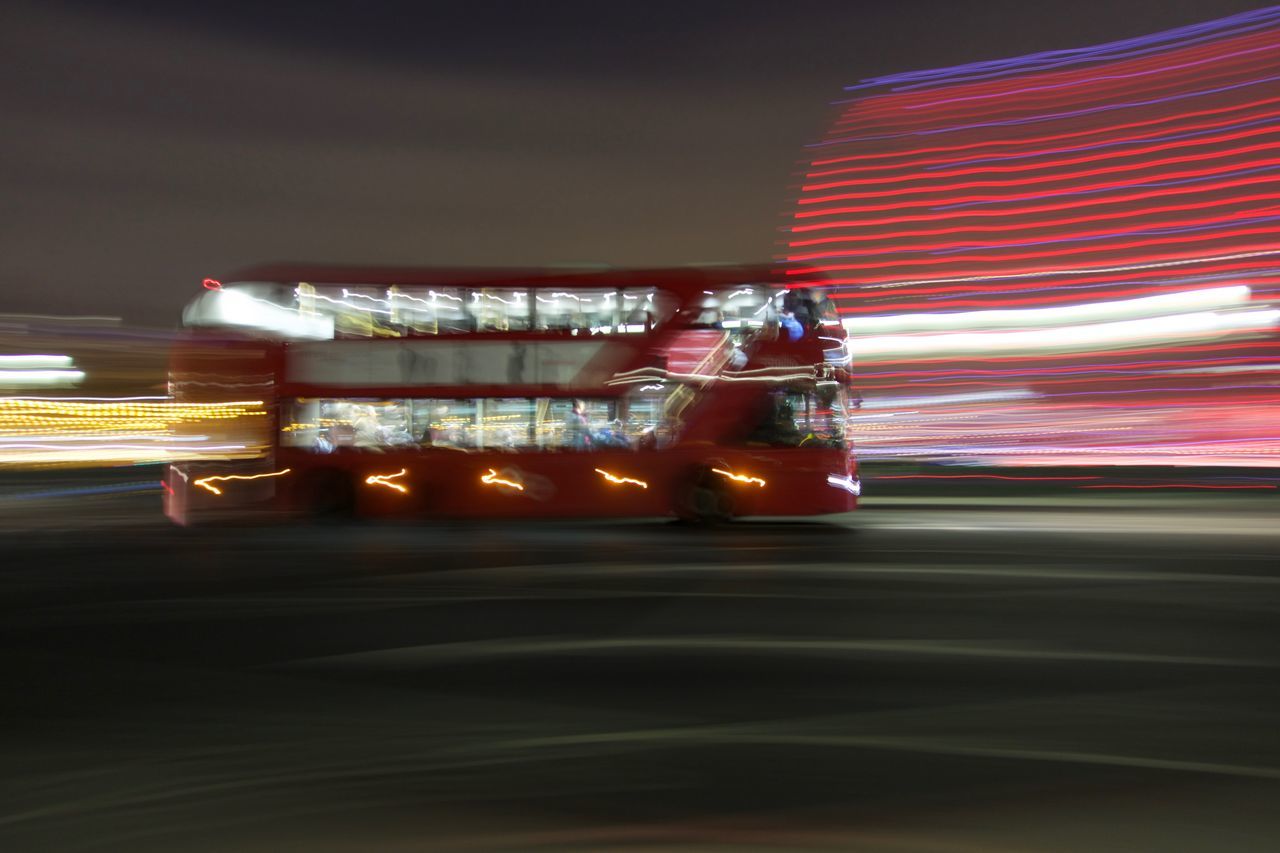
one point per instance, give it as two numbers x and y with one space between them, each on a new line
1057 674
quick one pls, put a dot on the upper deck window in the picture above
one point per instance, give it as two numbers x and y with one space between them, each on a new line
744 307
307 311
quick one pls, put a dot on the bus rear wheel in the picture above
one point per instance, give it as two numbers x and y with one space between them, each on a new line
704 500
326 493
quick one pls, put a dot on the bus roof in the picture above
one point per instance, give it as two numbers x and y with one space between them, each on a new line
678 279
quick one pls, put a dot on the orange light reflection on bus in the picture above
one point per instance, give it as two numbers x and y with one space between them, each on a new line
385 480
739 478
207 482
492 479
614 478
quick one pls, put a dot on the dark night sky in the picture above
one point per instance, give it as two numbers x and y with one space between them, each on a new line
147 145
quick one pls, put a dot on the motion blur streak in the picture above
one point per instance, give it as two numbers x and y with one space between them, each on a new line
997 235
137 429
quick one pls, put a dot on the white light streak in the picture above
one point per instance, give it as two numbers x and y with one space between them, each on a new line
1082 337
948 399
40 377
35 362
852 485
1148 306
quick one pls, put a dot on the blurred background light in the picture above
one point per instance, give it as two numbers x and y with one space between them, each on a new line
1062 258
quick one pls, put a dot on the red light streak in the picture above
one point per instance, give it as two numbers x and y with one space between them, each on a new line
1012 216
1031 167
1050 138
212 284
1093 249
1163 261
992 228
1047 208
1100 200
897 108
1225 46
980 477
1061 238
878 118
1179 486
1025 182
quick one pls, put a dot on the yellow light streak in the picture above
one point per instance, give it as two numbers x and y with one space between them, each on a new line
84 430
614 478
207 482
492 479
385 480
739 478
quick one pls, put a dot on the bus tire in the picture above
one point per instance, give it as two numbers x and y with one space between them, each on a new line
326 493
705 499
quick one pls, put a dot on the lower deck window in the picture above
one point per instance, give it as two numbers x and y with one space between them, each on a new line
513 424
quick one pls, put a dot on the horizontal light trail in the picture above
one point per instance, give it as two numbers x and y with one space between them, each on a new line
936 178
84 491
1032 120
1110 51
975 374
1040 272
533 647
1217 297
34 362
1244 56
988 226
1037 358
958 247
1059 227
1094 336
947 399
1160 65
952 216
1254 174
902 265
1036 140
1180 486
1194 135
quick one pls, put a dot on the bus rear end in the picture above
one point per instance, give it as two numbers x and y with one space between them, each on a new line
232 382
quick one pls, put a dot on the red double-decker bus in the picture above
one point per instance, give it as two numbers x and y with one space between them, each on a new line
702 392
